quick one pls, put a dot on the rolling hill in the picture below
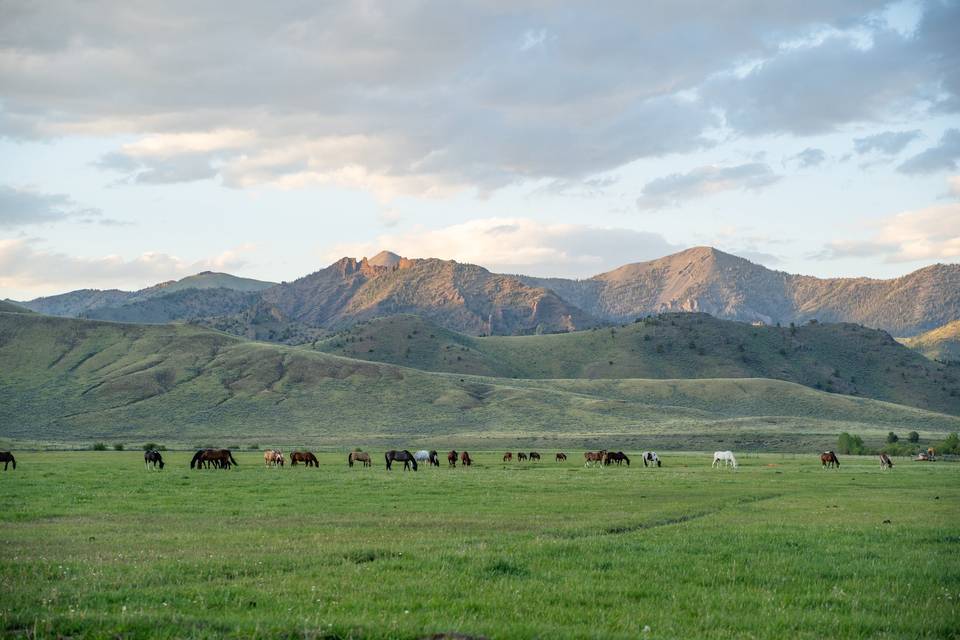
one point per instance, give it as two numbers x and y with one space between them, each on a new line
942 343
75 381
841 358
8 307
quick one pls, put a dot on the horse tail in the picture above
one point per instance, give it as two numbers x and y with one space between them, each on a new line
350 459
386 459
230 455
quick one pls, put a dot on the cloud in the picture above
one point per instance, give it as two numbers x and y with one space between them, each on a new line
676 188
27 267
945 156
953 186
932 233
888 142
22 207
521 245
809 157
431 97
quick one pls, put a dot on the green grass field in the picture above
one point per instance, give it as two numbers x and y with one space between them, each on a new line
95 546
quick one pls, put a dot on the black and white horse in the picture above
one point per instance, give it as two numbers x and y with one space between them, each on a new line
651 459
152 456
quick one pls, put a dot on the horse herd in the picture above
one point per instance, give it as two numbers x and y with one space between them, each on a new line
223 459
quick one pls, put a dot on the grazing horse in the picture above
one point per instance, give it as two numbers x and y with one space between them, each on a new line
273 457
400 456
430 457
465 459
615 456
219 458
534 456
829 459
726 457
6 458
306 457
508 457
359 456
594 458
885 461
152 456
452 458
521 456
651 458
561 457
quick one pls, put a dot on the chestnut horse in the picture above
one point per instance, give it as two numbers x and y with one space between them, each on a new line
465 459
561 457
359 456
594 458
452 458
508 457
219 458
885 461
400 456
829 459
306 457
6 458
152 456
534 456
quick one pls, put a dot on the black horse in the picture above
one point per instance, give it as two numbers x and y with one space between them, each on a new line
6 458
434 459
400 456
152 456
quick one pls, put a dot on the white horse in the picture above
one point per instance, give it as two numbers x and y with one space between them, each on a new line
651 458
726 457
422 456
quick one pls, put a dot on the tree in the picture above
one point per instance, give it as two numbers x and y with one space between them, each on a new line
892 437
950 445
913 436
849 444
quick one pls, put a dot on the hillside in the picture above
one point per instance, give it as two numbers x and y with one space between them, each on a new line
9 307
704 279
68 380
175 306
842 358
942 343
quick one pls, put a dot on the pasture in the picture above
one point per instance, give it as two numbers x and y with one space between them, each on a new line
93 545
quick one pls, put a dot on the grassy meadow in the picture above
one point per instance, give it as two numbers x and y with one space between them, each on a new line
93 545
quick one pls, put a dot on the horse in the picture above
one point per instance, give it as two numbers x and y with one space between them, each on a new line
452 458
359 456
534 456
885 461
219 458
521 456
400 456
6 458
561 457
151 456
305 457
508 457
726 457
651 458
430 457
465 459
829 459
621 457
594 458
273 457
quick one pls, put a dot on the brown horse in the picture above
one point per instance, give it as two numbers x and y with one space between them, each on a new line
594 458
508 457
305 457
6 458
465 459
885 461
616 456
829 459
534 456
273 457
561 457
521 456
400 456
452 458
359 456
218 458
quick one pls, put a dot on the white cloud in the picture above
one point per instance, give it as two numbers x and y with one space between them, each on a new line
520 245
677 188
932 233
26 268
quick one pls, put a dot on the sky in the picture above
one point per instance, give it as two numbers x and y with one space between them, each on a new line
142 141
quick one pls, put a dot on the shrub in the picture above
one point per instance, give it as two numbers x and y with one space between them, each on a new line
913 436
149 446
892 438
950 445
118 446
100 446
850 444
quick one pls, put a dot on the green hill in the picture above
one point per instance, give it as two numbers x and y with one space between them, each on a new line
842 358
76 381
8 307
942 343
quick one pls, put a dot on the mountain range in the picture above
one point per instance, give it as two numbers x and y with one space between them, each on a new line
472 300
